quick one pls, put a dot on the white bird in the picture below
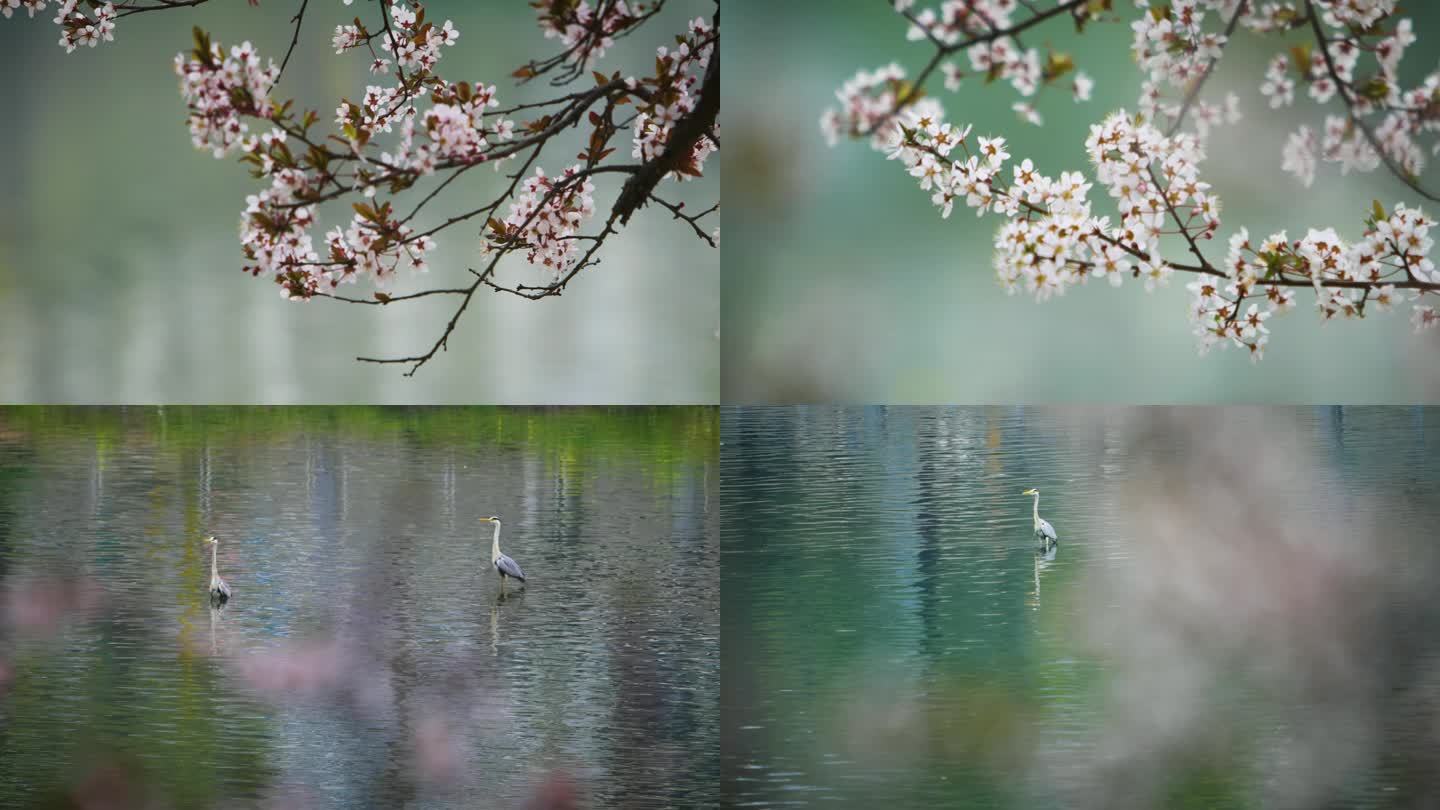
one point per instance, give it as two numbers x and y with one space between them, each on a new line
1043 529
219 591
504 566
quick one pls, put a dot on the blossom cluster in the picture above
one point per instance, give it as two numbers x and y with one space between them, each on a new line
457 129
89 26
1173 50
275 230
1346 278
220 90
674 92
77 28
275 226
588 31
1355 57
411 42
375 244
545 218
1053 239
974 28
7 7
868 102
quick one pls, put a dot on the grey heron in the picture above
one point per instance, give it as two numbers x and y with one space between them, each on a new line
504 565
1043 529
219 591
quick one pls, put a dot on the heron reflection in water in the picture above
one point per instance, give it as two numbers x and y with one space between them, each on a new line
504 565
1043 558
217 614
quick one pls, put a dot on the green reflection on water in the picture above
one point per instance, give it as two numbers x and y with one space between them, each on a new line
667 434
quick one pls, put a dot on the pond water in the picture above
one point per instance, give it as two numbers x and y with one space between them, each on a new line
1240 611
368 656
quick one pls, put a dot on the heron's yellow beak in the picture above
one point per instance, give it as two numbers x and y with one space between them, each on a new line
1028 492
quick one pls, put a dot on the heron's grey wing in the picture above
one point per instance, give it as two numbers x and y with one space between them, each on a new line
509 568
1046 529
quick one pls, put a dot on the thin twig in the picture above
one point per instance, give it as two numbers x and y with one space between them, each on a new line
694 220
298 19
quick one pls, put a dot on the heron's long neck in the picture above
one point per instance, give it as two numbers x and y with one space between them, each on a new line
495 543
1037 506
214 553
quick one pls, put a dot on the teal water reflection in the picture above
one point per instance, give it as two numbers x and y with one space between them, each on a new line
1240 612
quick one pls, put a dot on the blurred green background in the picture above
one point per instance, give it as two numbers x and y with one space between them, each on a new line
119 257
842 282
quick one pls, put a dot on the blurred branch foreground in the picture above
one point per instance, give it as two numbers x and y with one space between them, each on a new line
1253 571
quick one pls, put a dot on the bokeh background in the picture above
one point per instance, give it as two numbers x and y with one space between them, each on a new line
119 257
368 656
1240 612
841 281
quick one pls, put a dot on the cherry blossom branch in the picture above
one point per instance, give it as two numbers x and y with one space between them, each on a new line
1344 88
397 137
1194 93
391 299
169 5
942 51
679 148
1053 239
506 244
674 126
587 34
1164 194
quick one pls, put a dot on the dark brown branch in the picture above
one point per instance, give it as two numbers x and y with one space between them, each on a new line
390 299
1175 215
678 210
127 11
298 19
678 147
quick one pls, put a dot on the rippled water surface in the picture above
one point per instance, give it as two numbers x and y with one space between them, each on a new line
368 656
1240 612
